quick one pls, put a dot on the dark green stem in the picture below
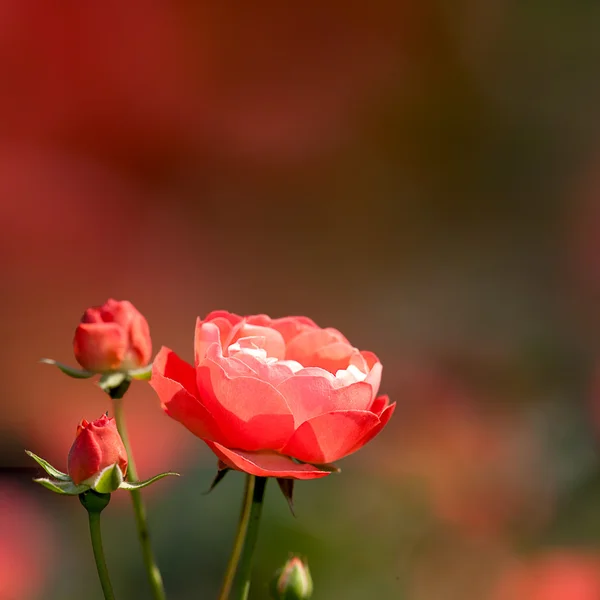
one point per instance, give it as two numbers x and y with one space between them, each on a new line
153 573
242 587
238 543
96 536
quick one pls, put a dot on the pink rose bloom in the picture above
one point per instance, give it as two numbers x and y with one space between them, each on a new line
274 397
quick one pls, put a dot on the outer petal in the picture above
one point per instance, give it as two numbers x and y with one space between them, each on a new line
251 412
385 416
100 346
330 436
265 464
140 342
174 381
379 405
311 395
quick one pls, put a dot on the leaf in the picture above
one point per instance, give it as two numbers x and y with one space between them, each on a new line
143 373
106 481
67 488
136 485
70 371
53 472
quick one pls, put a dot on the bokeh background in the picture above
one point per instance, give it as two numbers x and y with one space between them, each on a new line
424 176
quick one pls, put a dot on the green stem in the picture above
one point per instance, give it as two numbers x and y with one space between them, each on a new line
240 536
154 576
96 536
252 521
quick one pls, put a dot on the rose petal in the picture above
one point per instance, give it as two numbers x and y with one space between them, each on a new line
100 346
250 412
117 311
274 373
226 322
375 369
290 327
334 357
330 436
265 464
306 345
262 320
385 416
309 396
272 340
379 405
174 381
206 334
223 314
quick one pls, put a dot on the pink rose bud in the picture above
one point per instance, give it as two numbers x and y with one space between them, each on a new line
293 581
112 337
97 446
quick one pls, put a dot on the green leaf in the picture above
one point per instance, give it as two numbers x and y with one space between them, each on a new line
143 373
53 472
70 371
136 485
67 488
106 481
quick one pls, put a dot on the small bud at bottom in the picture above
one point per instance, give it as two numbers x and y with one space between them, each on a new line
292 581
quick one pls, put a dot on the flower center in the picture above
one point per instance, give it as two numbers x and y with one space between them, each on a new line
253 347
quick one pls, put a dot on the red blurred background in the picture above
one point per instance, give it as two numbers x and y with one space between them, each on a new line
424 177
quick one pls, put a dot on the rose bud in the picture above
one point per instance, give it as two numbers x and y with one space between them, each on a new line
292 581
97 446
112 337
274 397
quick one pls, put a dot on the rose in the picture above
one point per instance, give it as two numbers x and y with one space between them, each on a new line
111 337
97 446
274 397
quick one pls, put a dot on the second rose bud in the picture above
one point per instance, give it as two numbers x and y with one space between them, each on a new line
112 337
97 446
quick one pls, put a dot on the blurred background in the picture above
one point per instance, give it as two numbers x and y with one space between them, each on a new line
424 177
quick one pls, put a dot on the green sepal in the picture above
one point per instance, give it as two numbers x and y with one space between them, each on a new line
106 481
221 472
67 370
53 472
142 374
67 488
287 489
109 381
136 485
